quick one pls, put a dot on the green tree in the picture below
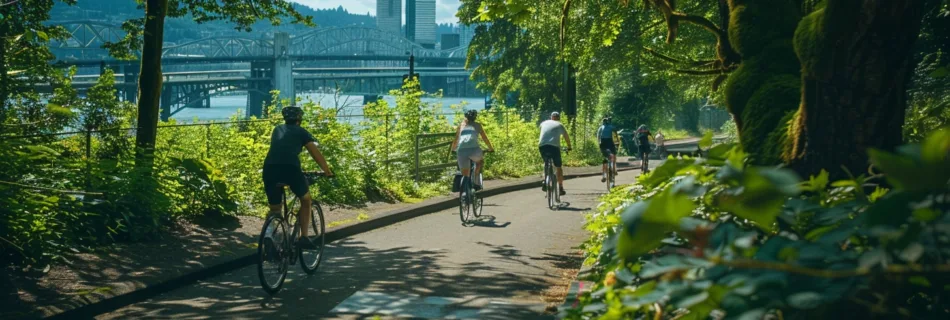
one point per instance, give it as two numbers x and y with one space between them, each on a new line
812 84
24 60
148 34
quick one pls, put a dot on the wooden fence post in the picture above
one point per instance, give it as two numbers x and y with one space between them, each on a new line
208 140
88 159
417 159
386 128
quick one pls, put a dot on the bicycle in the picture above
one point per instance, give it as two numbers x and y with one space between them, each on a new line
274 246
645 161
550 184
470 203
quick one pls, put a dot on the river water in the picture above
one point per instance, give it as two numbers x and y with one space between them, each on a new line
223 107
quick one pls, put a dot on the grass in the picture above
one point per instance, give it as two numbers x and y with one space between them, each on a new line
340 223
362 216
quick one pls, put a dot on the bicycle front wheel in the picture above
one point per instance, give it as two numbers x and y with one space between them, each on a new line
272 251
310 258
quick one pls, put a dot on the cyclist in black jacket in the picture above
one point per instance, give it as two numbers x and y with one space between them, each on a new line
282 167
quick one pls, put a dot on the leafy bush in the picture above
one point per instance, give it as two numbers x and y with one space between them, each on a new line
730 130
699 238
200 169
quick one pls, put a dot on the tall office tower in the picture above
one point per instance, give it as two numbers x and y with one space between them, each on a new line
466 34
389 15
420 22
449 41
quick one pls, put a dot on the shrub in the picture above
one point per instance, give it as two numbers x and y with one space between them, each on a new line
718 237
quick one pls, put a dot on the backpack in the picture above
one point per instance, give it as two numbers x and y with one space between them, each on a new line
643 138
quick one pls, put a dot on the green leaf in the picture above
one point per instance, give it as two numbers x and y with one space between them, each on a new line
754 314
707 140
816 183
940 72
925 214
912 252
717 155
760 196
666 171
878 193
42 35
920 281
692 300
891 210
930 172
645 224
668 263
805 300
872 258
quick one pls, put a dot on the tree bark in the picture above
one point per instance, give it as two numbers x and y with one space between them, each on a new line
150 77
854 83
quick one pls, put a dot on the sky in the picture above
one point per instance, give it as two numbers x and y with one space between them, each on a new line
444 11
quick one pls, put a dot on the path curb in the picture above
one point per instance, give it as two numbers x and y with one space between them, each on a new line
386 219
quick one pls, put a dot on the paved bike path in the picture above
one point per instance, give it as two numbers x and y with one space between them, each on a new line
430 267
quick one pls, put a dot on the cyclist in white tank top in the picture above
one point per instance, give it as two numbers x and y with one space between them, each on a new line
467 147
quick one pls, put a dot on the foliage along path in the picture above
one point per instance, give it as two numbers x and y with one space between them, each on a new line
513 264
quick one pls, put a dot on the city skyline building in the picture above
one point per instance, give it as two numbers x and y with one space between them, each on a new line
466 34
389 15
420 22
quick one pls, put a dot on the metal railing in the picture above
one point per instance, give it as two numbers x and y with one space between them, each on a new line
419 168
86 147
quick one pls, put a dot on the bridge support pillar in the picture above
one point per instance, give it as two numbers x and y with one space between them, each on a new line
131 79
166 102
258 93
283 77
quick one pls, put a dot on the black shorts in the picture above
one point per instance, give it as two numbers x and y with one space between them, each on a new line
551 152
290 175
607 148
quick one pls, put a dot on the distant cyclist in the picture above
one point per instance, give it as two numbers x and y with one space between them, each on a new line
643 137
282 167
606 133
660 140
467 147
550 145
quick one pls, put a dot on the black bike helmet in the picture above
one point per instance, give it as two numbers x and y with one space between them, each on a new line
470 115
606 120
292 113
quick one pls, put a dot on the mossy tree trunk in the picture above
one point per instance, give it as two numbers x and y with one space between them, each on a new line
150 77
856 62
762 94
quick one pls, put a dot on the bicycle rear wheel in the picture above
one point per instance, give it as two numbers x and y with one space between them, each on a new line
465 201
610 176
477 202
272 251
310 259
550 185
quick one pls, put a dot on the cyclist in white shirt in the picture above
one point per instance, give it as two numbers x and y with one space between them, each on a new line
660 142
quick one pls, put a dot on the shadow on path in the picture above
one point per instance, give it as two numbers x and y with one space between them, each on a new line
351 267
